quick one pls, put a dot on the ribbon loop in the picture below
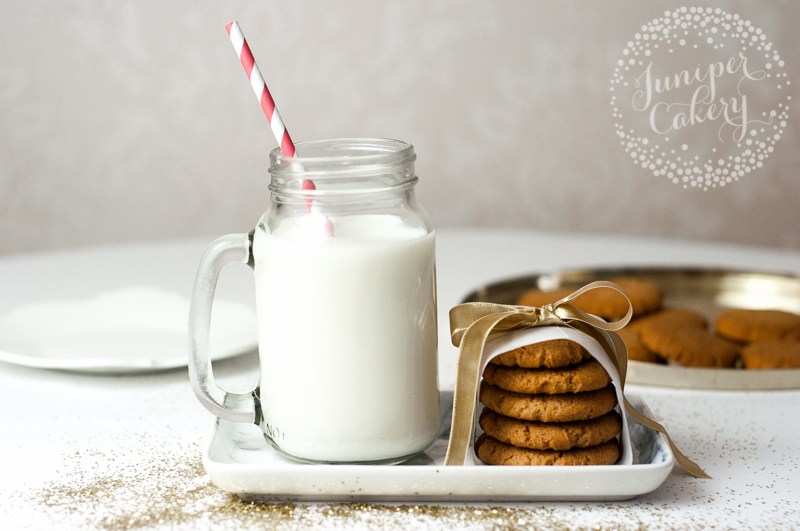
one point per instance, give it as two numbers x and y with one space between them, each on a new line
473 324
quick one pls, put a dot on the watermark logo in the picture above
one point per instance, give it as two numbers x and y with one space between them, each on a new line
700 96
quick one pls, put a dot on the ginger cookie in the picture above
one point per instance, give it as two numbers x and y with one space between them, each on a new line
670 318
694 347
586 376
494 452
747 326
655 323
771 355
645 297
551 435
551 354
636 349
566 407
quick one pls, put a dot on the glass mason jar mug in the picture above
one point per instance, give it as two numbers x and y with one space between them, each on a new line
345 286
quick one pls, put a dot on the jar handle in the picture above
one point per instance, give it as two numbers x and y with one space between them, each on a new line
236 407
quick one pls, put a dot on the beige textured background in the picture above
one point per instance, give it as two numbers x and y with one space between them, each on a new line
132 120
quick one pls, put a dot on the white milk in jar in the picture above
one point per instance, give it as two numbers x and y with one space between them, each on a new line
347 334
343 258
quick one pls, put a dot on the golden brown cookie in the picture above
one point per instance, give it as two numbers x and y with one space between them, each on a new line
747 326
551 354
670 318
655 323
771 355
636 349
494 452
551 435
645 297
586 376
565 407
694 347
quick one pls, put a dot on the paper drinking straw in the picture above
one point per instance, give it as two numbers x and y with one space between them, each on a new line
264 97
260 89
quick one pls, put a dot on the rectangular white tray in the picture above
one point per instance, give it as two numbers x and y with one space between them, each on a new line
240 461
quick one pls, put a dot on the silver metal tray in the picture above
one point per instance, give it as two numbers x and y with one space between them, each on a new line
705 290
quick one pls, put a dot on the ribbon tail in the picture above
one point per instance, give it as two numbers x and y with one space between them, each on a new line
686 463
465 394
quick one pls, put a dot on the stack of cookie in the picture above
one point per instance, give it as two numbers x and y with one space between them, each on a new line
549 403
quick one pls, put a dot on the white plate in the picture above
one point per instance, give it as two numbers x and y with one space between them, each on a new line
240 461
131 329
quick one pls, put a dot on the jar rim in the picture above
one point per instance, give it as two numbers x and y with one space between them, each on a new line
350 151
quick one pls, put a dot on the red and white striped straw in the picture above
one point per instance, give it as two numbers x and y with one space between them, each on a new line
260 89
267 103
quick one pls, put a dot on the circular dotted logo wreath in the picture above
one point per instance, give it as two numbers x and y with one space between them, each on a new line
700 96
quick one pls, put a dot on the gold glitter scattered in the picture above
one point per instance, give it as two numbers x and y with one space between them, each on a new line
154 484
169 489
173 492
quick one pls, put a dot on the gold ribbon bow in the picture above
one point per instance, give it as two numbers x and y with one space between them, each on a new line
472 324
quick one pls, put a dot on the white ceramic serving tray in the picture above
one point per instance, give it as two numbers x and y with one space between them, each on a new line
240 461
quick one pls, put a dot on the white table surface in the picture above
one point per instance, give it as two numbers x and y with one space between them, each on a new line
80 451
